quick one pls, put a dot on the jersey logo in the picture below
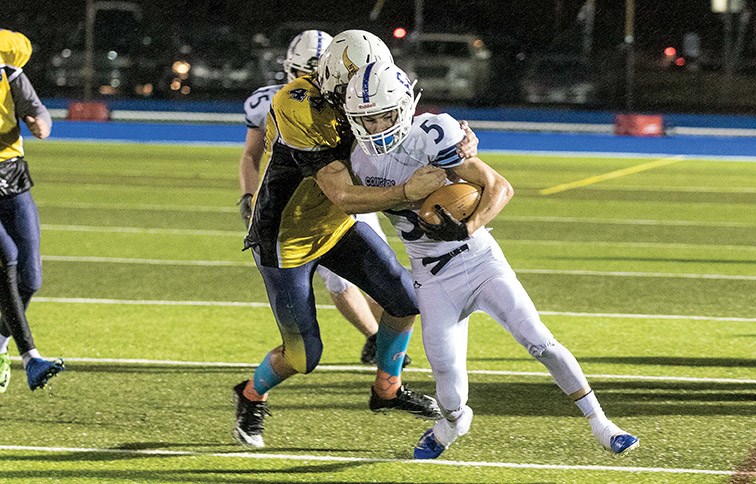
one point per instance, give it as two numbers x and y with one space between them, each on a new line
377 181
298 94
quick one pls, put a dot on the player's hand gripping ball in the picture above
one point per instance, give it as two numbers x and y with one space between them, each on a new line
459 199
443 213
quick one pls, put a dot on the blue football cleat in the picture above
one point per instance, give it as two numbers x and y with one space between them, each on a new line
428 447
39 371
623 443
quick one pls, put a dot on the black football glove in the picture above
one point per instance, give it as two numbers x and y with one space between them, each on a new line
448 229
245 208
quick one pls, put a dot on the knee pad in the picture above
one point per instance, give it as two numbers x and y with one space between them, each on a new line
563 367
29 283
313 352
536 351
303 352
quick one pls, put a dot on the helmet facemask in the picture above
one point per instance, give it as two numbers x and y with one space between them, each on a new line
379 89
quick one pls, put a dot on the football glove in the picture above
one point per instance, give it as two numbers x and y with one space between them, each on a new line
245 208
448 229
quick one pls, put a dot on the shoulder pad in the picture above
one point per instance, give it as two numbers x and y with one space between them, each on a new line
304 119
441 133
257 105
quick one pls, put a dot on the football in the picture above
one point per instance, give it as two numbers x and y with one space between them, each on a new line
460 199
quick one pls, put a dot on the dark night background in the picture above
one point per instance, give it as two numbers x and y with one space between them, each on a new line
514 30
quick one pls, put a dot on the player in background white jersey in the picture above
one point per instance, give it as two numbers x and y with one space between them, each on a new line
302 58
457 265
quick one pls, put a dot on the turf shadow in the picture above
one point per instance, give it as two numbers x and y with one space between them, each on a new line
673 361
646 398
650 360
169 475
615 258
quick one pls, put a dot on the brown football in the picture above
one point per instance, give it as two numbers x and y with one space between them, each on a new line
460 199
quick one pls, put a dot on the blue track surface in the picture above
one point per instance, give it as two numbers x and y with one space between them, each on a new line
489 140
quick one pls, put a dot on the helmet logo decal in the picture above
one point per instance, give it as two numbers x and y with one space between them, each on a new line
366 82
403 80
351 67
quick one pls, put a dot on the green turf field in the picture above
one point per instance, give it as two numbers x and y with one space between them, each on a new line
649 278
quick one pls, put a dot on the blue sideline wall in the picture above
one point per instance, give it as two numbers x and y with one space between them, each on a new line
533 115
489 140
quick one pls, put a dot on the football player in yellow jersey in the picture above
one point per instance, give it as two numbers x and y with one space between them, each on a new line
20 260
302 59
300 219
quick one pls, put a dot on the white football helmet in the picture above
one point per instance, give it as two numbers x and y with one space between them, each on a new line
348 51
379 88
304 51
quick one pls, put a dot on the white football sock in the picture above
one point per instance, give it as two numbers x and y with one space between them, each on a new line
4 340
29 355
447 431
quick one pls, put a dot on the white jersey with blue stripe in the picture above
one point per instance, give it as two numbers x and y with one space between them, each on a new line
432 141
257 105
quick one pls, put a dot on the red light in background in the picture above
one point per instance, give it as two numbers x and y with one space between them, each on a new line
670 52
400 32
680 61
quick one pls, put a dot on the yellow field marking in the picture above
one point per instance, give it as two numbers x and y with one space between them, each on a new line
612 174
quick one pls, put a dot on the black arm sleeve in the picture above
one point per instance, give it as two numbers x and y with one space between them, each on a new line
26 100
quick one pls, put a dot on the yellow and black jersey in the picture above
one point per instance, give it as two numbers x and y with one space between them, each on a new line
15 51
293 222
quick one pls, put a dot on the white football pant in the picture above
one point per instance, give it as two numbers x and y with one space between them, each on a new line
481 279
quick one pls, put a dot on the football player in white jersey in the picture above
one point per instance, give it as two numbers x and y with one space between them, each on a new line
455 254
302 58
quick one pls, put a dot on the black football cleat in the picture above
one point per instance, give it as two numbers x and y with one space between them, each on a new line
249 419
418 404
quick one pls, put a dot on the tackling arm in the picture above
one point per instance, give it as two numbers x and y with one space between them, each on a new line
249 170
336 182
249 164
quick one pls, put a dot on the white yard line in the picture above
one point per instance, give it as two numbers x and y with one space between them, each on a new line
139 206
635 274
369 460
622 221
371 369
651 245
239 235
157 262
229 263
143 230
154 302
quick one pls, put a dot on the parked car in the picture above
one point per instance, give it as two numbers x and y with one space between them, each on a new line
560 79
448 67
209 61
118 40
